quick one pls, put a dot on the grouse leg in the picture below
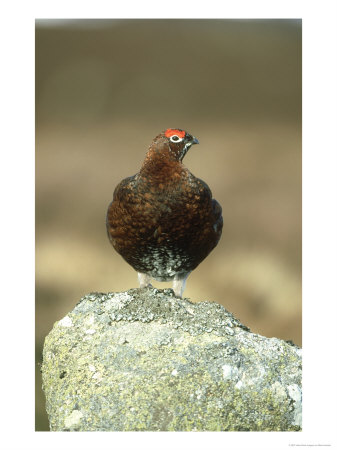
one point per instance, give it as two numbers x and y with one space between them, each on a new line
179 282
144 280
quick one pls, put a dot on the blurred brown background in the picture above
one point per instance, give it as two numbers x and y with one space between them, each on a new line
104 89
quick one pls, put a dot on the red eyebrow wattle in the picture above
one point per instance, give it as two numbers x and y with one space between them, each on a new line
171 131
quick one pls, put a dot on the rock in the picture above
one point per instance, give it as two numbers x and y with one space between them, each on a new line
146 360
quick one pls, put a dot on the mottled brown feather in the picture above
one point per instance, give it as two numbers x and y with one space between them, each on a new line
163 220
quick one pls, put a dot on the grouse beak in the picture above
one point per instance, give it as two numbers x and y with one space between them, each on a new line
195 140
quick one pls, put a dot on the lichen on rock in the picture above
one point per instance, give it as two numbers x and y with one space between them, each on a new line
146 360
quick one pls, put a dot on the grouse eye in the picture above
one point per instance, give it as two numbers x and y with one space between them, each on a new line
175 138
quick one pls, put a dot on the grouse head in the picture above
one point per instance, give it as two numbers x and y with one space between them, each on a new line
174 143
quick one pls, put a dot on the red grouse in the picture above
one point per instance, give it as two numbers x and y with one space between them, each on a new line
163 220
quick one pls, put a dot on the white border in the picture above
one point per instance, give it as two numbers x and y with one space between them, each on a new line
319 214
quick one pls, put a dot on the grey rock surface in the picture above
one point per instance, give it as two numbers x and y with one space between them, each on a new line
146 360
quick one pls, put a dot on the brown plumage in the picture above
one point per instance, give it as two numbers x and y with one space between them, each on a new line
163 220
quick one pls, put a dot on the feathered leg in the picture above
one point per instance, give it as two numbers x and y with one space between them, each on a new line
179 282
144 280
